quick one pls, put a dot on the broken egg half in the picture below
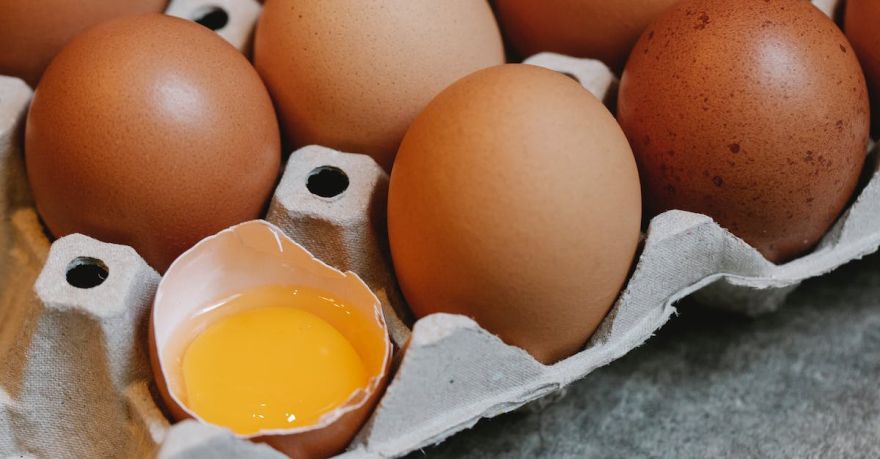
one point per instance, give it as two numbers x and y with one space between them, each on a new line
250 332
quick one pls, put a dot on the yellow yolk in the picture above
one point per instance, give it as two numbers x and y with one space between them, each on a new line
270 367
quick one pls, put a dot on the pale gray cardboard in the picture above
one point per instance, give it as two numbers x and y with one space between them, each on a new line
242 17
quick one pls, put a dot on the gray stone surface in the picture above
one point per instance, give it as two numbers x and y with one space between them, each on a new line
798 383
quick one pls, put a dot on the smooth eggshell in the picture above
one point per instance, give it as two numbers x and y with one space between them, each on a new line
352 75
862 25
752 112
515 200
598 29
153 132
33 31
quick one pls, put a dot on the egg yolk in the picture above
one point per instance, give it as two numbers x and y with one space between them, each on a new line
269 367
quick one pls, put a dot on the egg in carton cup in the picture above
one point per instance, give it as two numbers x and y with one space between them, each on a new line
75 379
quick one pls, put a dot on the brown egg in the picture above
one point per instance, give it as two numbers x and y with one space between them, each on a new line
515 200
598 29
863 29
153 132
352 75
33 31
752 112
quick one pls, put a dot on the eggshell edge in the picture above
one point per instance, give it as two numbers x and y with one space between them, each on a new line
337 428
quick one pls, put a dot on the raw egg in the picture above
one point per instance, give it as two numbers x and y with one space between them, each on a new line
862 25
260 347
251 333
752 112
33 31
515 200
352 75
599 29
151 131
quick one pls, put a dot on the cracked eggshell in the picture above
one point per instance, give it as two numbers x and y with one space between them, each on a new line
752 112
33 31
153 132
247 256
352 75
515 200
599 29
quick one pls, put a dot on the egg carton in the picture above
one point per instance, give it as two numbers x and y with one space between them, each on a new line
75 379
233 20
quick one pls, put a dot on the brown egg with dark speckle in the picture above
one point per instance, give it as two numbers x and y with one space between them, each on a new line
753 112
863 29
151 131
33 31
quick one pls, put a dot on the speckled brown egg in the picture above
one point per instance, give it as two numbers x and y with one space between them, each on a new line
862 25
150 131
33 31
352 75
598 29
753 112
515 200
